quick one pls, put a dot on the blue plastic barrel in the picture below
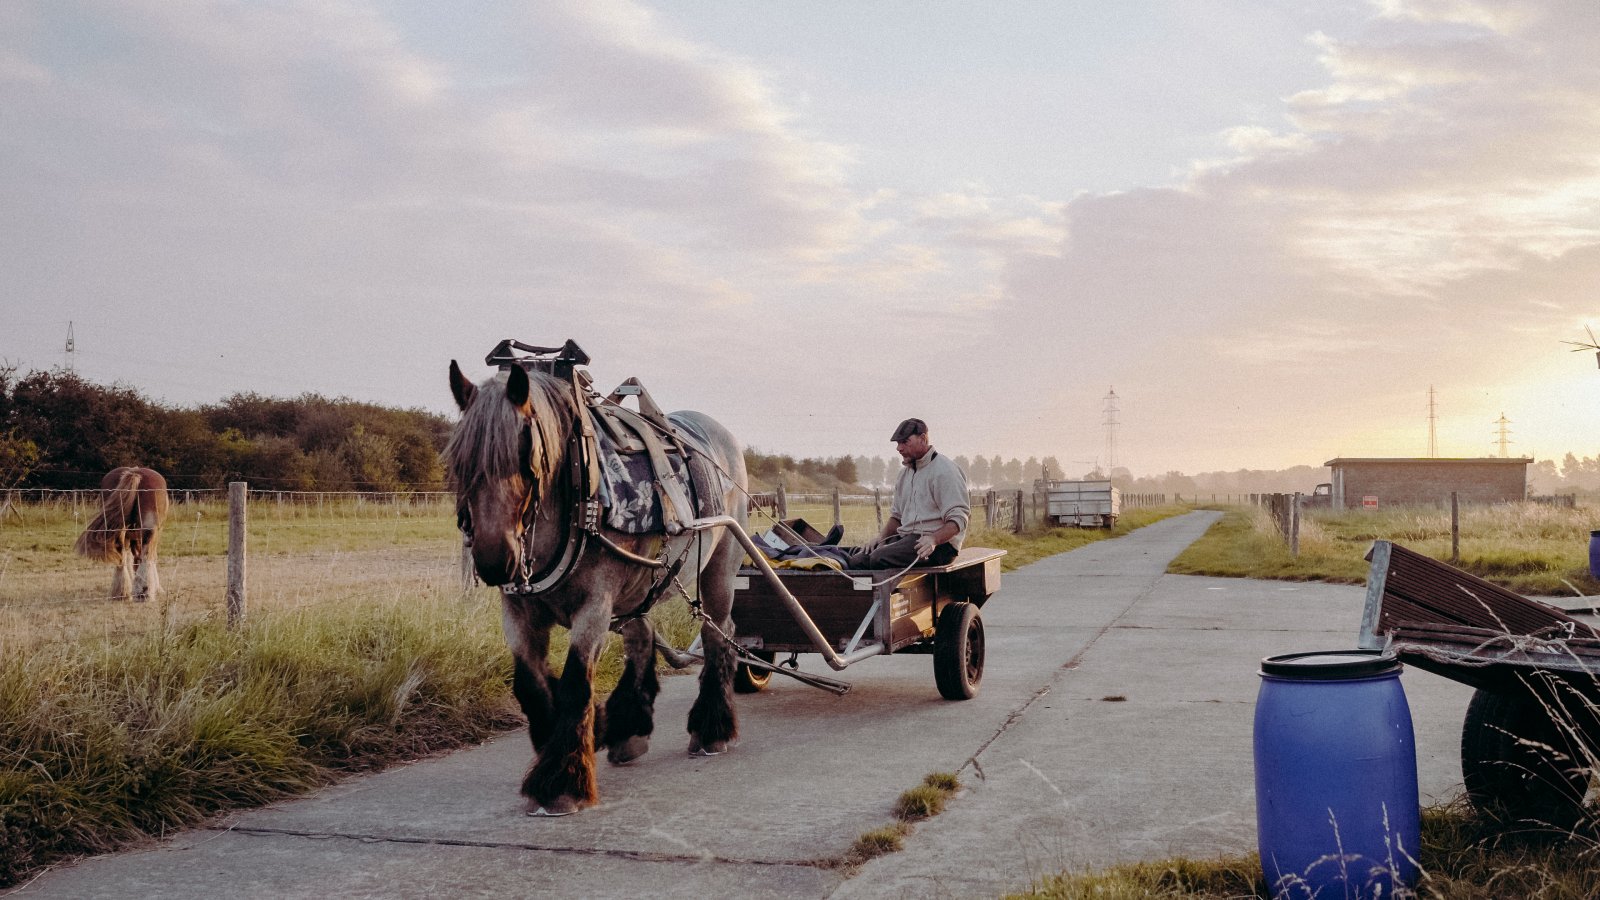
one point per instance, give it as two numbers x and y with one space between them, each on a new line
1336 775
1594 554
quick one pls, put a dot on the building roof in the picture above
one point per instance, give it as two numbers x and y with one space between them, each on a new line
1434 460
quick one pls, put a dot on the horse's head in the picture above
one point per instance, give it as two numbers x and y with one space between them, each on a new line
508 443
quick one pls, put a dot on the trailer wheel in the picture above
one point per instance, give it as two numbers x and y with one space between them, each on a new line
1519 765
747 680
958 651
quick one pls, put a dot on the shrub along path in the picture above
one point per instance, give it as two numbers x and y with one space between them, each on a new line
1113 725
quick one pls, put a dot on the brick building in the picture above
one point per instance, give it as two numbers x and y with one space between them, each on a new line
1359 483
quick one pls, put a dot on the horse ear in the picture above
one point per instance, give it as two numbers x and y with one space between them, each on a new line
517 387
463 389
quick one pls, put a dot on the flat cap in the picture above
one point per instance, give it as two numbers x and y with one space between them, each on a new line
908 428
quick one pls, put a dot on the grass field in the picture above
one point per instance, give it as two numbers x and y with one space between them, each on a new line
1530 548
361 647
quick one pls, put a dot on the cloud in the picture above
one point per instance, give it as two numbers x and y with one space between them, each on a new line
355 187
1427 204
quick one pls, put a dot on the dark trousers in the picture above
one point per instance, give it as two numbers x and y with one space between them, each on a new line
898 551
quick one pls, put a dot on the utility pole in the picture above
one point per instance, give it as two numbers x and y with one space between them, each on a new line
1110 422
1505 432
1433 441
72 347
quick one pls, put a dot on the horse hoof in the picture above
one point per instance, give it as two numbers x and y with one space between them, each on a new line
628 751
555 809
715 748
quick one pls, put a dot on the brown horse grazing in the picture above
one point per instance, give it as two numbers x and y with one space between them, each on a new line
127 530
516 462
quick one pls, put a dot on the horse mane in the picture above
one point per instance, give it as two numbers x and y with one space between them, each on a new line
487 442
102 540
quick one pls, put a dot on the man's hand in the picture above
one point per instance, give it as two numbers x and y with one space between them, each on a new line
925 545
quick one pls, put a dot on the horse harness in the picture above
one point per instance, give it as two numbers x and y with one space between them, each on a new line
647 431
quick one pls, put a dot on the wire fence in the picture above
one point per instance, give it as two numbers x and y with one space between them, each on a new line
316 547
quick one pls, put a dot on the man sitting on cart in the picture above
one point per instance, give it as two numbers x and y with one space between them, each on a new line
928 518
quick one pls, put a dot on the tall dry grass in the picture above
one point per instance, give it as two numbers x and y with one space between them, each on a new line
1461 859
104 741
1528 547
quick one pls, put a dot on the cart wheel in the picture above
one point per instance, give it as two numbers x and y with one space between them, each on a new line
958 652
1519 765
750 681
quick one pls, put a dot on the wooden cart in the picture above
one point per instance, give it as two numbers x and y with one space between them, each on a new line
1530 743
848 616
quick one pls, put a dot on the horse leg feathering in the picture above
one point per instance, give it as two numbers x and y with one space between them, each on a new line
630 711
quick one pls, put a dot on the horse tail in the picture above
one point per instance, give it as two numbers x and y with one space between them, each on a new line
103 539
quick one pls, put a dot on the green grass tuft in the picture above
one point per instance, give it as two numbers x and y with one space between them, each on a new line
920 802
878 842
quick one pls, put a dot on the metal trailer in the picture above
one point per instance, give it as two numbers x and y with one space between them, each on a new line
1530 742
1093 504
847 616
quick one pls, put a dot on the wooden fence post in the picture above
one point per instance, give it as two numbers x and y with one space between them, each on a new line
1294 529
783 502
469 572
877 507
238 493
1017 517
836 517
1455 530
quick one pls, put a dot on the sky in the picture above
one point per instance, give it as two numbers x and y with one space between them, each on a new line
1271 227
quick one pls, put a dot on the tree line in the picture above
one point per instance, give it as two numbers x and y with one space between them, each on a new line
58 430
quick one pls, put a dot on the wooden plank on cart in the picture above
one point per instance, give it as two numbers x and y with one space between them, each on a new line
1458 625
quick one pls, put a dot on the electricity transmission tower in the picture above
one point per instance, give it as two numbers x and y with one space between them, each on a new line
1110 422
1433 440
1505 433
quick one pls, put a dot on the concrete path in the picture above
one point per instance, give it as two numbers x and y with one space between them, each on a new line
1114 724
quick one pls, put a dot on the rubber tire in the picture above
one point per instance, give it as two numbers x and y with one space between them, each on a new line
1512 780
747 680
958 651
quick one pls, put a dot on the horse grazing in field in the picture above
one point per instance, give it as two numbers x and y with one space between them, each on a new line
521 462
127 530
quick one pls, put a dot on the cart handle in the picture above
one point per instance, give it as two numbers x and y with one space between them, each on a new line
818 640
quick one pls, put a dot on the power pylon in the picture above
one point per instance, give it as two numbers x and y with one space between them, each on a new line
1504 433
1110 422
1433 440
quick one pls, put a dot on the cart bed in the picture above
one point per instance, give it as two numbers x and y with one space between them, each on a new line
852 606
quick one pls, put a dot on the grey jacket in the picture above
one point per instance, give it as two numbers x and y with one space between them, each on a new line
930 493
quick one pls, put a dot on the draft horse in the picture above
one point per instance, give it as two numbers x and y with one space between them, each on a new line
511 463
127 530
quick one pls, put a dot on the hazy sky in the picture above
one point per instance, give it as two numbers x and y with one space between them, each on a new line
1269 225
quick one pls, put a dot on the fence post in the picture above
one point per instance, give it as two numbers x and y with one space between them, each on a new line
877 507
783 502
1294 530
1016 519
836 517
1455 530
988 509
238 493
469 572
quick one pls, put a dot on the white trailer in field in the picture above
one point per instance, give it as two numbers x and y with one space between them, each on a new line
1088 504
